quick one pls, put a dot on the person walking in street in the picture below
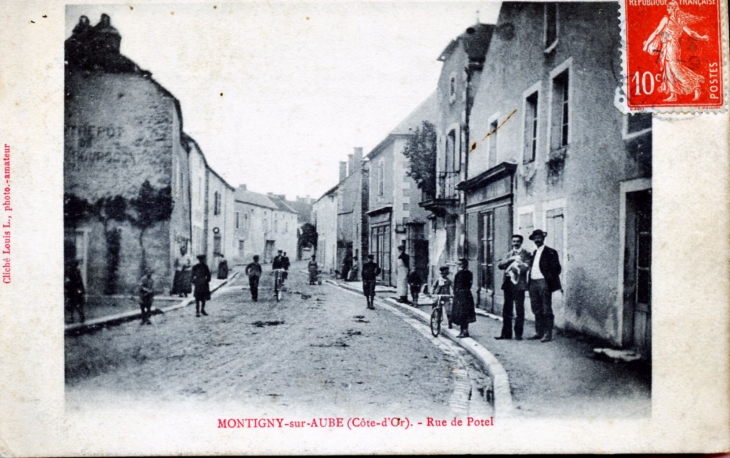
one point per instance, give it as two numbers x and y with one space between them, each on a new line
370 272
313 269
181 281
253 270
463 311
403 266
514 284
415 283
278 263
347 265
286 264
443 286
544 280
75 292
146 295
200 277
222 268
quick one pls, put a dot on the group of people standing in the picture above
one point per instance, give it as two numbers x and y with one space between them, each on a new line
537 272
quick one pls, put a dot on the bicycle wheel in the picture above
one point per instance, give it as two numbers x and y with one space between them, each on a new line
436 321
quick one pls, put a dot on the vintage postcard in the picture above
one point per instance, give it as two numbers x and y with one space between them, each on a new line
378 227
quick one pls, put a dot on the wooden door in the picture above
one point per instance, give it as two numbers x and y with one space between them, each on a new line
637 272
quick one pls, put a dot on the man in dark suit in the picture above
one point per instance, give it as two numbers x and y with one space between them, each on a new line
544 279
515 266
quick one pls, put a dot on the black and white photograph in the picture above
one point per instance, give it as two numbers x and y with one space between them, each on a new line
369 227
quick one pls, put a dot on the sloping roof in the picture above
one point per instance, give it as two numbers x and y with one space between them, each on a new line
281 205
475 40
254 198
426 111
304 211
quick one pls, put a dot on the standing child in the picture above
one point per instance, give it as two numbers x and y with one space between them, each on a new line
415 283
370 272
146 295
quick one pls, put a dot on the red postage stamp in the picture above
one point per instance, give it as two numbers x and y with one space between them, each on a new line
674 55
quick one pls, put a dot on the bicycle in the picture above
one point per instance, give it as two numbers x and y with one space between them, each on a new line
441 304
278 283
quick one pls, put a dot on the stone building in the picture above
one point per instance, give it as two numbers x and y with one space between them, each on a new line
220 220
324 214
463 60
549 150
263 224
126 171
394 216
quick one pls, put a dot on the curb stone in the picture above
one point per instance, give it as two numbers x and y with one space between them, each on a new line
501 394
81 328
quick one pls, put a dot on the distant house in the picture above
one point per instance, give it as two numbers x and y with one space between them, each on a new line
394 216
324 213
263 224
220 220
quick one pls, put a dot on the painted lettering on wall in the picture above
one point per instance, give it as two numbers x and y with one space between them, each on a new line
87 134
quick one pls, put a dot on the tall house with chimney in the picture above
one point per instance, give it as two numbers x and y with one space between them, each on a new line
126 171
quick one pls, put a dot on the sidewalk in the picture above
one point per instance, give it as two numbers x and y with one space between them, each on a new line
563 378
134 312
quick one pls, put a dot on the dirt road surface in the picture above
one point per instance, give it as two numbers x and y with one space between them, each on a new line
319 350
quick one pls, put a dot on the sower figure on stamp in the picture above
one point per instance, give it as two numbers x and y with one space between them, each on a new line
665 40
146 295
74 289
515 266
544 279
201 279
253 270
463 311
370 272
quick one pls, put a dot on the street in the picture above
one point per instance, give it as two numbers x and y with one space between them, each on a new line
319 350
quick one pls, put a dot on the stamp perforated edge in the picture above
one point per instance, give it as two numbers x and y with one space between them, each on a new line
620 99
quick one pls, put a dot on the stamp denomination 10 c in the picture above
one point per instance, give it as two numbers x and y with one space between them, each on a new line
674 55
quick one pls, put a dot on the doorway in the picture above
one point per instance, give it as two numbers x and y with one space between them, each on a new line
637 272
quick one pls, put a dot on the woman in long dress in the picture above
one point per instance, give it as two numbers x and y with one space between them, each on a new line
665 40
402 264
463 311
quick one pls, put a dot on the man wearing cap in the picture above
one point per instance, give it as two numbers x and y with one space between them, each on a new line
514 284
544 279
253 270
200 276
370 272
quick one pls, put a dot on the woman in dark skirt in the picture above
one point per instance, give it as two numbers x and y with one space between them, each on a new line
200 277
463 311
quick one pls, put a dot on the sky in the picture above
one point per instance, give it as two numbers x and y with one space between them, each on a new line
276 94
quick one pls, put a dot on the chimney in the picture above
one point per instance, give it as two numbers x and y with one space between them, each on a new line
350 164
242 187
358 157
343 170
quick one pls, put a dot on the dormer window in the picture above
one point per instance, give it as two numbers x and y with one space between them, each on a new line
551 26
